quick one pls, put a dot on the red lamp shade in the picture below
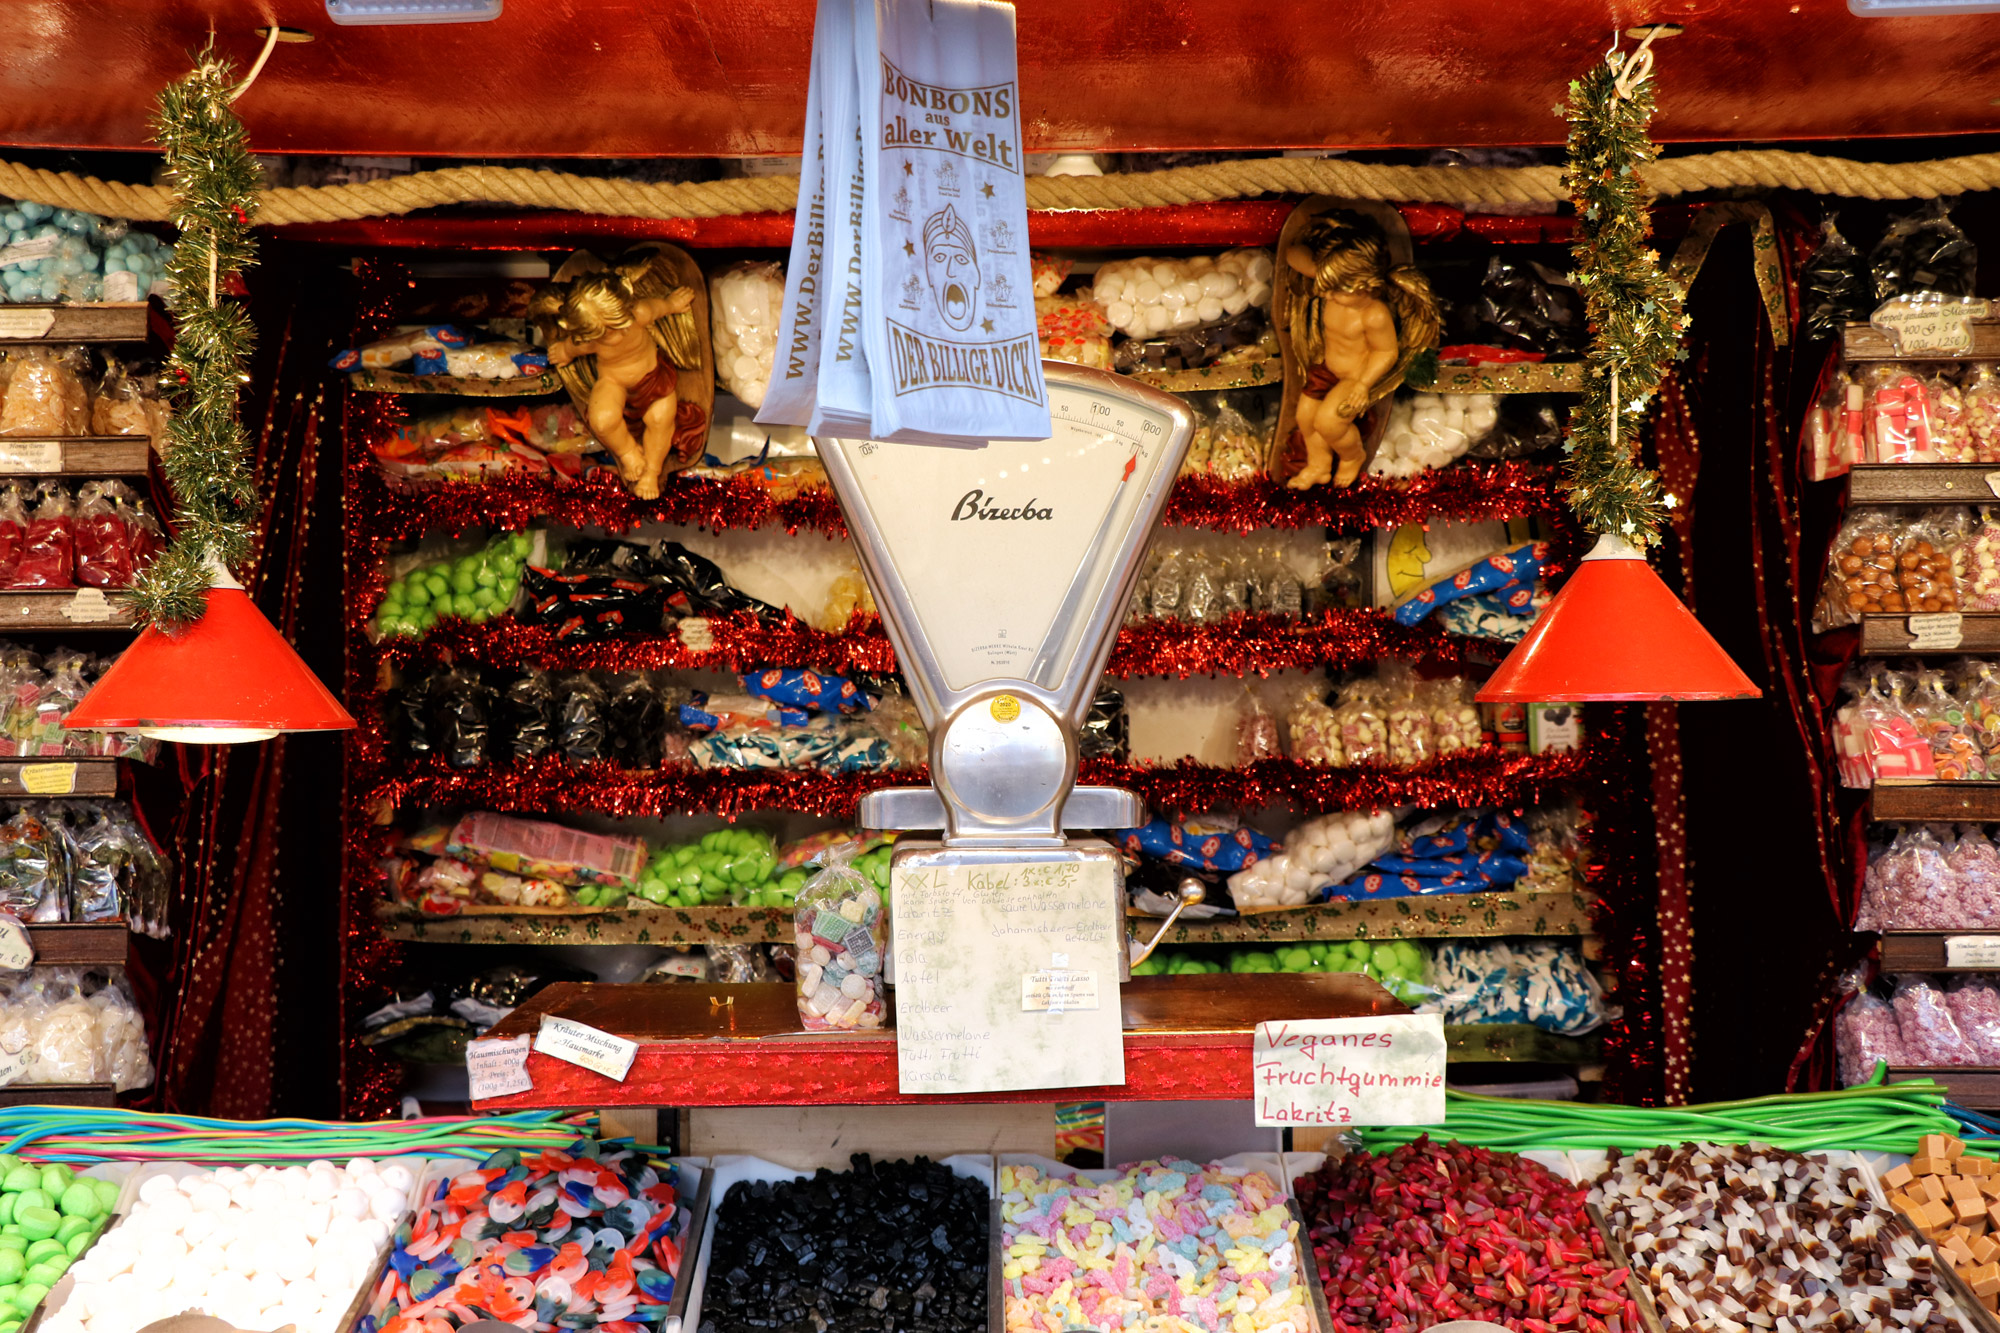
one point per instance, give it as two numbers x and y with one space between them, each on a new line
229 676
1616 632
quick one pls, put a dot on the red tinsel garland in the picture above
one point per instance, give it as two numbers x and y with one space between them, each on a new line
1461 492
1239 645
1483 778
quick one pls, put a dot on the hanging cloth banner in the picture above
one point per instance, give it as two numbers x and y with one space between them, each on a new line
795 373
923 291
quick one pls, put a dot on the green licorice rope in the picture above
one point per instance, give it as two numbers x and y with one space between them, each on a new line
1868 1118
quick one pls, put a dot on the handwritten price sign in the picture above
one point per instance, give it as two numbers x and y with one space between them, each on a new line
1350 1071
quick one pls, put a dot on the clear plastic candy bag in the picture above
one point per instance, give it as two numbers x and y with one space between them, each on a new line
1866 1034
1931 1037
1975 1007
841 933
45 393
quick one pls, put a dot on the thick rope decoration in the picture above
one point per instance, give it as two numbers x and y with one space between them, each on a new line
1766 169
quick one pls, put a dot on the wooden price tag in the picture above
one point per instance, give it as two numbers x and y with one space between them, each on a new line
1939 632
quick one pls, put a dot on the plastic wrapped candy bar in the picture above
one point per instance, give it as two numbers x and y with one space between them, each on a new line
840 936
580 607
814 691
1866 1034
542 850
743 303
423 350
1930 1034
1500 572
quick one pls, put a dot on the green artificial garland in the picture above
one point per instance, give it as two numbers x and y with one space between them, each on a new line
1635 310
206 454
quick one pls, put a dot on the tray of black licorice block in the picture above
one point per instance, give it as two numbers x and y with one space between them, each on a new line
874 1247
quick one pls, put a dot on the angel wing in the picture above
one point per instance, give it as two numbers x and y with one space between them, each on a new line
654 277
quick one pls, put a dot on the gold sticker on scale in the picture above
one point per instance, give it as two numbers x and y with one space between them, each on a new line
1006 708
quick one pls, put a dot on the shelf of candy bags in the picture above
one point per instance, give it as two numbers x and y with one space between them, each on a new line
1892 423
463 717
1535 983
81 862
54 540
1888 565
56 254
56 405
490 864
1923 1024
492 359
1926 739
479 442
74 1026
36 693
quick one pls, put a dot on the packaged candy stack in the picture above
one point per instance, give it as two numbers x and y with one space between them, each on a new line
1183 1247
884 1245
1952 1198
80 861
446 349
1906 412
1532 981
1401 966
477 441
74 1025
1881 562
1207 582
100 537
1318 853
596 1233
469 718
475 586
1802 1239
37 693
61 255
743 304
605 587
491 859
1930 877
1435 1232
1467 852
1393 719
1430 430
841 937
1924 1023
1931 723
794 718
1146 298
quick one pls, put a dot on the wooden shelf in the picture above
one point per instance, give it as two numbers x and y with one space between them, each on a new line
1514 377
456 386
1266 372
1562 912
99 322
84 775
1518 1043
1969 1086
1970 802
81 943
1922 483
654 925
1865 342
1889 636
63 609
75 456
58 1094
700 1044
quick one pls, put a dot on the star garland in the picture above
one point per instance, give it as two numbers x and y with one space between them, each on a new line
1635 310
206 454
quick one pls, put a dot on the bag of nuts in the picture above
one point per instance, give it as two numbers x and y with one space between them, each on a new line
1881 564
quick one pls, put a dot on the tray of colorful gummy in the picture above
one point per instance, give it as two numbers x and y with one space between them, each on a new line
1740 1237
594 1236
1434 1232
883 1245
256 1246
1170 1245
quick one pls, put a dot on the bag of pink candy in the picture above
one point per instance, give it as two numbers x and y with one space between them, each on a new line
1929 879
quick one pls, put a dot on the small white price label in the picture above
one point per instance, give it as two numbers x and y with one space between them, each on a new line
1929 326
1993 482
26 322
89 607
1057 990
1939 632
28 252
1972 951
586 1047
17 951
30 456
498 1066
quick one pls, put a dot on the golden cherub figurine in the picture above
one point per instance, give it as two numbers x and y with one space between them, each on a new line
621 337
1356 323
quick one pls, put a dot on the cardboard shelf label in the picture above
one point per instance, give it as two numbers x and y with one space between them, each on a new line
1972 951
1350 1071
28 322
48 779
498 1066
30 455
1940 631
586 1047
1929 326
89 607
997 973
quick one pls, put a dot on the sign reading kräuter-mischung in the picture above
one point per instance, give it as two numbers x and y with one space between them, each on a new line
1350 1071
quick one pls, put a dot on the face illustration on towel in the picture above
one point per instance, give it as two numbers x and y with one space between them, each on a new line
952 267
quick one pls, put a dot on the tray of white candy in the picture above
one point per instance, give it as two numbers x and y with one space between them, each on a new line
257 1246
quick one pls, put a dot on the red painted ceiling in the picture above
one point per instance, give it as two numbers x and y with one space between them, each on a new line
642 78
